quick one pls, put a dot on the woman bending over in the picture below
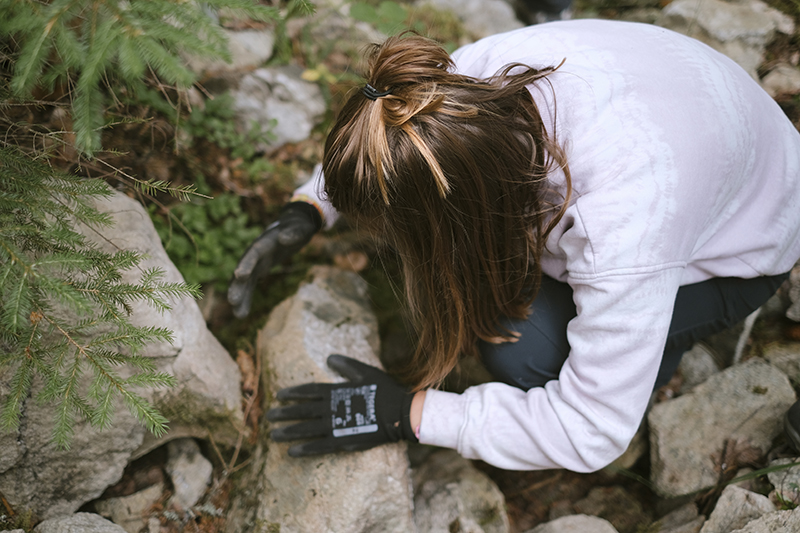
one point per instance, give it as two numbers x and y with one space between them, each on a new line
575 203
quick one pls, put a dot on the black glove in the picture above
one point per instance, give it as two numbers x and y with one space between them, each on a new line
298 222
369 410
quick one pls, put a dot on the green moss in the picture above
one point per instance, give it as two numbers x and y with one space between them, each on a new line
22 520
185 408
265 526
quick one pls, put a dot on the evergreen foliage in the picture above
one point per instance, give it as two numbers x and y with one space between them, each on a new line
64 305
79 45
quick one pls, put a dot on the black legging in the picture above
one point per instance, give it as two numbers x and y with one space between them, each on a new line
701 309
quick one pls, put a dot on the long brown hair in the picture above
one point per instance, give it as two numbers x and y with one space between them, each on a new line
451 172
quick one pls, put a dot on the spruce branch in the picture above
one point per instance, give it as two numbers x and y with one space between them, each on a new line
89 45
65 304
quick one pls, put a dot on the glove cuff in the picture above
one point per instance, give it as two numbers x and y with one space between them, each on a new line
306 209
405 422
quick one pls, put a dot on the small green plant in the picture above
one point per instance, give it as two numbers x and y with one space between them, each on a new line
64 304
391 18
216 123
23 521
388 17
788 503
215 233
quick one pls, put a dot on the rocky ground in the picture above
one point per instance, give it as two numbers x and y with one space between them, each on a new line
716 421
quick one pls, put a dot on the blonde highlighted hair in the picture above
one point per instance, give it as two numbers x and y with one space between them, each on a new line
450 171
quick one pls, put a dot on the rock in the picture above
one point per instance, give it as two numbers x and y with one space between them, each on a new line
782 80
645 15
793 313
452 495
481 18
78 523
36 475
785 357
727 346
128 512
697 365
54 482
576 523
153 525
280 102
757 484
637 448
740 30
190 472
614 504
336 35
735 508
787 481
693 526
345 492
249 49
777 522
684 519
742 405
207 398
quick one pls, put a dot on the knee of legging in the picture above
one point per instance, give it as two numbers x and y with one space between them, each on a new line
507 365
501 366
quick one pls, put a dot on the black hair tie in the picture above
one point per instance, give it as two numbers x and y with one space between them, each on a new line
372 93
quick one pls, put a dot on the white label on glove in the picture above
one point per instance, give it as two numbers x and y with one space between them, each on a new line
353 410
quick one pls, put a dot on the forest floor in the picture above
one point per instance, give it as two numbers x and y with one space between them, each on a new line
147 149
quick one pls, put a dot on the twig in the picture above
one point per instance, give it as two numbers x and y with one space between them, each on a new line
7 505
537 485
247 409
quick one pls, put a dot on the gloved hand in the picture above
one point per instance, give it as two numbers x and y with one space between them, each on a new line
369 410
297 223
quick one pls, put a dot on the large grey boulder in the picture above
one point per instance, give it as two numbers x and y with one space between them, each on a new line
740 30
452 495
278 101
207 398
35 474
741 406
355 492
735 508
